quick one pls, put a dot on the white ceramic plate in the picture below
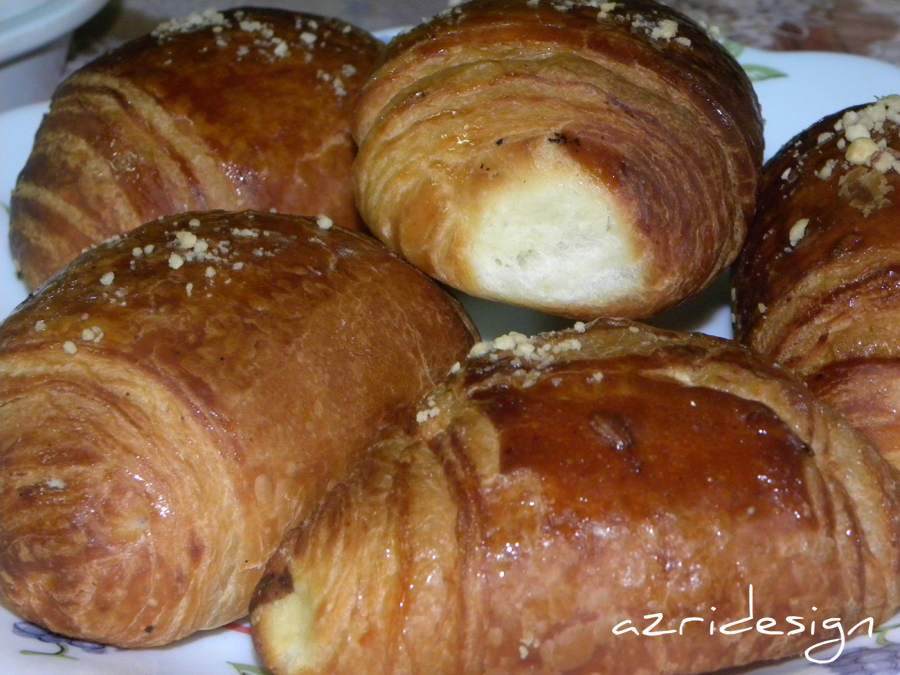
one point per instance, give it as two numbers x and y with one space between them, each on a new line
795 89
25 25
34 41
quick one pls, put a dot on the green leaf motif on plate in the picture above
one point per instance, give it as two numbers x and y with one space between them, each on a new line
249 670
60 653
733 48
883 635
762 73
756 73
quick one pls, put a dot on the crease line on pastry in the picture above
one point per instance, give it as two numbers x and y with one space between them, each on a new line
181 154
462 479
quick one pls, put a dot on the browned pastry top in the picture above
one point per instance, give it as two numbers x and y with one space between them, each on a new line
562 491
586 159
629 468
818 279
179 396
817 286
498 29
265 88
248 108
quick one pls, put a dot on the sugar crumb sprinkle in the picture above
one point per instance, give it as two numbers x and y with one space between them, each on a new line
798 231
525 348
430 411
193 22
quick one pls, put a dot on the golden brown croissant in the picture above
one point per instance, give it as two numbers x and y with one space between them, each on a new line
176 399
585 159
817 286
561 493
244 109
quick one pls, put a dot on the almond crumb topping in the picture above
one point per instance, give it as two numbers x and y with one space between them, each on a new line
186 239
864 137
861 150
605 9
244 232
665 29
798 231
428 412
194 21
826 171
524 348
93 334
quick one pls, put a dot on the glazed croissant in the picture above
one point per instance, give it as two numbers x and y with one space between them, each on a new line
579 158
562 492
817 286
177 398
244 109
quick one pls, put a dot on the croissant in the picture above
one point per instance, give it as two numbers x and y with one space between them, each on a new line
606 499
176 399
578 158
243 109
816 287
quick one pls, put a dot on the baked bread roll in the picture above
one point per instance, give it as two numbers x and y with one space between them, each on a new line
561 493
176 399
816 287
244 109
578 158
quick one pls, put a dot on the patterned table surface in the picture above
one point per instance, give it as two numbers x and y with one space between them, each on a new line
867 27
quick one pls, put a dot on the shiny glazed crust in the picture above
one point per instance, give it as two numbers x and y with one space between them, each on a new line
176 399
558 487
557 155
247 109
817 287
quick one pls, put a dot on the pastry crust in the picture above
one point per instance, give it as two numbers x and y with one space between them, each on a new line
243 109
581 160
561 492
816 287
177 398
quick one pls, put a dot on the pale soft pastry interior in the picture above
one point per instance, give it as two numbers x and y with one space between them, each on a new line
552 235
